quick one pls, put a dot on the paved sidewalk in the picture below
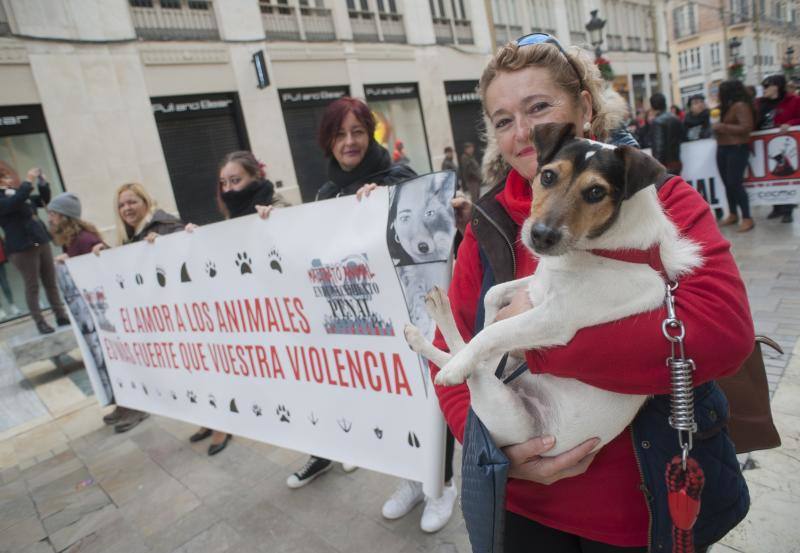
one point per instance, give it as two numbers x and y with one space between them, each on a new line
68 483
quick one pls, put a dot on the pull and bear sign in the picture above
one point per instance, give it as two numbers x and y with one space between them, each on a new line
286 330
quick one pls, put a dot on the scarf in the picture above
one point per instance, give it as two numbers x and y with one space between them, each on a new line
516 197
376 159
244 201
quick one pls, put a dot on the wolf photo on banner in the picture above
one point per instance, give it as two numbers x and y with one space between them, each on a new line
292 338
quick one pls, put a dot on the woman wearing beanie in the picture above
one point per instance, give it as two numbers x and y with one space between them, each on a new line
27 241
74 235
242 189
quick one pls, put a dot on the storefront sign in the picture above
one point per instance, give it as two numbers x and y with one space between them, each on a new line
304 97
461 92
289 330
16 120
167 108
390 91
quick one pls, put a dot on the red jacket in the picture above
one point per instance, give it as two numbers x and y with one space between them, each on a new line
628 356
787 112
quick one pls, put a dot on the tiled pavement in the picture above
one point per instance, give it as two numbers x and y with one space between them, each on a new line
68 483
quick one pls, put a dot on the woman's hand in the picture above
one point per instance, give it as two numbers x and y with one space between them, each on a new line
61 258
264 211
33 173
364 191
520 302
785 127
463 210
151 238
97 248
528 464
190 228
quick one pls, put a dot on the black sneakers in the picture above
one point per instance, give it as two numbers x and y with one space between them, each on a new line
44 328
130 419
314 467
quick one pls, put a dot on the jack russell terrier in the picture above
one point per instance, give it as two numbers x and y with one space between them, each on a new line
586 196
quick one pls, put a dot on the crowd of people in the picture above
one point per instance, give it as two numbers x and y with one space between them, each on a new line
556 502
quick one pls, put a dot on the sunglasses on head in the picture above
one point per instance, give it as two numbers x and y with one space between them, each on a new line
544 38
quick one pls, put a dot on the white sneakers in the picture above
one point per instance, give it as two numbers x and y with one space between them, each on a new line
438 511
408 494
404 498
347 467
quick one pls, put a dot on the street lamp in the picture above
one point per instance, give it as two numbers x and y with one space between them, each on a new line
734 45
789 55
595 29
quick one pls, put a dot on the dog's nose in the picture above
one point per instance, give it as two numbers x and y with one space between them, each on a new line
423 247
544 237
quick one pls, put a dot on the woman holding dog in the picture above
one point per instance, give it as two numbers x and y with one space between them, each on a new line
614 499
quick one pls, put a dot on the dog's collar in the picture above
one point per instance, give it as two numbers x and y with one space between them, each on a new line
651 257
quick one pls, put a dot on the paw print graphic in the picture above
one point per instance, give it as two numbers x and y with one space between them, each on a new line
161 276
378 432
211 269
133 384
313 419
275 260
212 401
173 394
139 279
256 410
192 397
413 441
283 414
244 263
120 384
144 389
121 281
345 425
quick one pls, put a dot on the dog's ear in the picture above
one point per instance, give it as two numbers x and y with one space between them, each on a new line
641 170
548 139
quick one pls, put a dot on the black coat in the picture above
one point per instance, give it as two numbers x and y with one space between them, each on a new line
161 223
698 126
23 229
666 138
392 175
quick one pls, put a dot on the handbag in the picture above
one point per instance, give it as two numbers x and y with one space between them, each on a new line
750 424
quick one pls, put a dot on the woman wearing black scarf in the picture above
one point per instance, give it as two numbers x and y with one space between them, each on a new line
242 189
356 159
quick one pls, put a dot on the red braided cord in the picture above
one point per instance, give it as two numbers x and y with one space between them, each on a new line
691 481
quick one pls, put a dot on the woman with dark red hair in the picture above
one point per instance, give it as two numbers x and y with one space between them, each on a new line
346 137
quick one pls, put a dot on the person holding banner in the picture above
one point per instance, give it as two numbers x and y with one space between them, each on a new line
737 121
778 108
138 218
346 135
242 189
604 501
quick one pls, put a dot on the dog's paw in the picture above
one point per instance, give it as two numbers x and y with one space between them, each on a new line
456 371
448 378
437 303
414 338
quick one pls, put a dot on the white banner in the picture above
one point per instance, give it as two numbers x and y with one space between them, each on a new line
289 330
772 176
699 159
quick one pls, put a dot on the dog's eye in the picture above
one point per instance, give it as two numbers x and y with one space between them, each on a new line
594 194
548 178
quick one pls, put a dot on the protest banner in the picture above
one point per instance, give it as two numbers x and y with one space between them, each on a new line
287 330
772 176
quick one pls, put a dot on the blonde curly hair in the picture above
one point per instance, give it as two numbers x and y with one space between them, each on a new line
609 110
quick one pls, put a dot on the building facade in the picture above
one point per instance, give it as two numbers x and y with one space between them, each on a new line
102 92
701 37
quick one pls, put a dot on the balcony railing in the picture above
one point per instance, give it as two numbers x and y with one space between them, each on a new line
649 45
736 18
634 43
443 30
5 29
464 31
392 28
318 24
577 38
614 43
363 25
504 34
281 23
174 19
